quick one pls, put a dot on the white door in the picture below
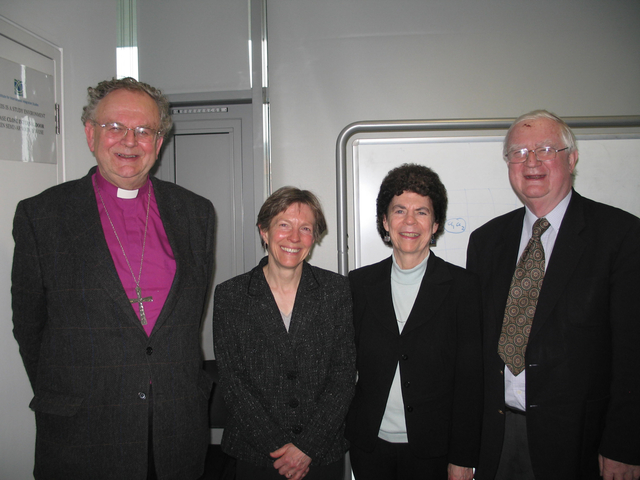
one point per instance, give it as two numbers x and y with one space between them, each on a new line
204 165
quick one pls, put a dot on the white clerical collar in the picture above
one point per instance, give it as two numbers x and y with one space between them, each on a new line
128 194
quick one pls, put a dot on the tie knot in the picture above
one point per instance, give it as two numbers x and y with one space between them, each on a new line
541 226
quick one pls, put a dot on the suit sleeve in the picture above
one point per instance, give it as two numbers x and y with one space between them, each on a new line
332 404
28 298
467 409
620 439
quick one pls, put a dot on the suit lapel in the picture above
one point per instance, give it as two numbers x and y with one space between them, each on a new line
264 309
307 303
433 291
567 252
507 246
380 298
173 223
84 219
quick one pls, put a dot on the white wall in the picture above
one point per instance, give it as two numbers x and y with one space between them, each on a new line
195 46
86 30
334 62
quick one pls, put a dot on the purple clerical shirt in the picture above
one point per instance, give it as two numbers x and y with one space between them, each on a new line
129 216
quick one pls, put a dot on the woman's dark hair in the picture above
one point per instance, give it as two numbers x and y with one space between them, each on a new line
282 199
419 179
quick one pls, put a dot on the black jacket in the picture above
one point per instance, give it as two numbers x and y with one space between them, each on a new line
440 357
285 387
582 362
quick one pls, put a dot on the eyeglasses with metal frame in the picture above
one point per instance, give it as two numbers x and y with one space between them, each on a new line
542 154
118 131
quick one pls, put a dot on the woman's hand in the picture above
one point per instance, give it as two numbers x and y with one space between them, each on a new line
291 462
459 473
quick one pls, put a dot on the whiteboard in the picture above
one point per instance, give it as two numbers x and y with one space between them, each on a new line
476 179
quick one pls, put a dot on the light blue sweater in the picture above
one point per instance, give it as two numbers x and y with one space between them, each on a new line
405 285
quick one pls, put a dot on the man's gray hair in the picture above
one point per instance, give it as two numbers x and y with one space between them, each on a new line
567 135
96 94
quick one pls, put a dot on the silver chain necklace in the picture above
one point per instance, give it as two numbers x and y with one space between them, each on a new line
139 298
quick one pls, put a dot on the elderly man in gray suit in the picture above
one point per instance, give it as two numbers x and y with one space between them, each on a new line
110 277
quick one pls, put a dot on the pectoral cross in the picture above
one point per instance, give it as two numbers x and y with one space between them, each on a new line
139 300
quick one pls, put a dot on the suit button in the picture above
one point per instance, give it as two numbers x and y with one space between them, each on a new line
291 375
142 395
500 412
407 384
409 408
405 357
293 403
149 350
297 430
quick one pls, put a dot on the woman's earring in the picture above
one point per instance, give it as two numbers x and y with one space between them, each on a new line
386 238
433 240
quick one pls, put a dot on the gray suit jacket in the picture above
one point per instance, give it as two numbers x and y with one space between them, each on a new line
88 358
285 387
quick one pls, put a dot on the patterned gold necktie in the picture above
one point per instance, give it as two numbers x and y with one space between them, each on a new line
522 301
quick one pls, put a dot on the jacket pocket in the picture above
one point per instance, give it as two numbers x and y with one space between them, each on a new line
56 403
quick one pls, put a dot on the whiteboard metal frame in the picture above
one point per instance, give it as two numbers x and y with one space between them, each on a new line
349 133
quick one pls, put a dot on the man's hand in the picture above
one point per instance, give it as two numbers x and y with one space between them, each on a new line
459 473
291 462
612 470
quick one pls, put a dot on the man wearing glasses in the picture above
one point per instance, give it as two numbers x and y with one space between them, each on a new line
110 277
561 329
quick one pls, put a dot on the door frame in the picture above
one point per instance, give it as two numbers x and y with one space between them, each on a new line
200 116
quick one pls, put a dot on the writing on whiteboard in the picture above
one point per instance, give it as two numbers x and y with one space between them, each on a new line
455 225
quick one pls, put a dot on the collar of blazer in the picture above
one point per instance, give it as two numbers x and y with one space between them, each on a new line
266 310
434 288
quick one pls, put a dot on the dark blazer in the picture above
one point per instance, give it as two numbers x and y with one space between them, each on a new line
582 362
285 387
440 357
88 358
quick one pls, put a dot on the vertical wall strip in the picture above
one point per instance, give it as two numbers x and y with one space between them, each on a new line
127 46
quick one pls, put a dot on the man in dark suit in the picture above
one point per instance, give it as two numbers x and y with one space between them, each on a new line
110 277
569 408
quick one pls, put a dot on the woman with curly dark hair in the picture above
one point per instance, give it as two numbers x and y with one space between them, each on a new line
418 403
